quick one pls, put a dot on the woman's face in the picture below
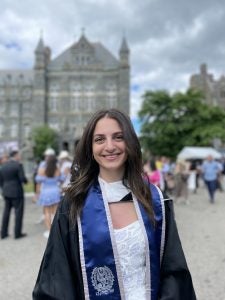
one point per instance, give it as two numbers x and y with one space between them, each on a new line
109 149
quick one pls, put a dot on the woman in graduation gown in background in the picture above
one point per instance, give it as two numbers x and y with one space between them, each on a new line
114 236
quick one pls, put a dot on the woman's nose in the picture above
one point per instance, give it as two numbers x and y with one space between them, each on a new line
110 144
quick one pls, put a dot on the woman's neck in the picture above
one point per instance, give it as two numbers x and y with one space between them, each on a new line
111 177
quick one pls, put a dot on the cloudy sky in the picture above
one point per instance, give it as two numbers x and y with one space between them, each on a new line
168 39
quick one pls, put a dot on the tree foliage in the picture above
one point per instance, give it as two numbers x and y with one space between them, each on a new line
44 137
172 121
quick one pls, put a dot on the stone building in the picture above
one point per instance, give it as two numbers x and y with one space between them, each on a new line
213 90
62 92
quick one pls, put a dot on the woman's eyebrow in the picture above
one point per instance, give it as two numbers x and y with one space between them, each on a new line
99 134
103 134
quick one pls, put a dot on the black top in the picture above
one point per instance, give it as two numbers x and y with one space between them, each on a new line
12 178
127 198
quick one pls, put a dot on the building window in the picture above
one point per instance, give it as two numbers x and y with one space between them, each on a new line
111 101
2 93
90 104
222 93
110 86
89 87
1 130
27 131
54 125
14 93
75 87
14 131
2 108
27 93
82 60
14 110
26 108
54 88
72 129
74 103
53 104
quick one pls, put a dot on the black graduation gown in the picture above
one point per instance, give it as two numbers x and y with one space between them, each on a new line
60 274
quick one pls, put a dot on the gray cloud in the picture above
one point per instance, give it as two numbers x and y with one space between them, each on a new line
168 39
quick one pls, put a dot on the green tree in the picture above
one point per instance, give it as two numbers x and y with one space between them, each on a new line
44 137
172 121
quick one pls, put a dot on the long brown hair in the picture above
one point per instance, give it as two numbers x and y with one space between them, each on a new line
51 166
85 170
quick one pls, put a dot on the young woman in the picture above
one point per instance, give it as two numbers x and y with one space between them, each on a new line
48 189
153 173
113 237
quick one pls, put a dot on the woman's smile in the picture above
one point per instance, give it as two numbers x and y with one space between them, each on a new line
109 148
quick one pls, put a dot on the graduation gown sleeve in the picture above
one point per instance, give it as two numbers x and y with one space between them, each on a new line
176 282
59 276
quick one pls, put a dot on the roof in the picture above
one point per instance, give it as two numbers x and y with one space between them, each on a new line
13 77
97 55
198 153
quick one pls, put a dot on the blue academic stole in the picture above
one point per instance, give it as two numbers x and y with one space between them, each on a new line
99 258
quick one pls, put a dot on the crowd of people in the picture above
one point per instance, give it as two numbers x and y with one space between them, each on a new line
180 178
50 178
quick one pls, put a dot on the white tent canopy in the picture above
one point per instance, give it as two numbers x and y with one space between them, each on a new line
198 153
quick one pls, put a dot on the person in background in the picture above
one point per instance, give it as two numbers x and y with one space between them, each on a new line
165 171
65 165
34 174
181 175
158 163
12 178
49 180
220 176
3 158
114 236
210 171
154 174
192 180
40 168
49 152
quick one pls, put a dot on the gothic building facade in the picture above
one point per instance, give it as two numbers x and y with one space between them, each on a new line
63 92
213 90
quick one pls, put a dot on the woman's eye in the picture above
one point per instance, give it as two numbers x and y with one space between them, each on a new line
98 139
119 137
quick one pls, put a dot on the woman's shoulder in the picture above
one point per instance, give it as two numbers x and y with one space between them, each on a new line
40 178
159 198
57 172
41 172
63 210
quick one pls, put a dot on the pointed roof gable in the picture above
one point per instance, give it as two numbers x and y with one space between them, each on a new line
82 45
84 54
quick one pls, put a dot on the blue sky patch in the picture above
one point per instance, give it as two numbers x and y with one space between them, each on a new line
13 45
137 125
135 87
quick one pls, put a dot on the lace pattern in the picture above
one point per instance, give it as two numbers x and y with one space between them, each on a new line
131 249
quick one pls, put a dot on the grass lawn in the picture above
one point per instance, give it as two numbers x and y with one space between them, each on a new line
29 187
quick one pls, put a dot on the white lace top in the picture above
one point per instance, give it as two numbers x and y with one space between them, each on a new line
131 249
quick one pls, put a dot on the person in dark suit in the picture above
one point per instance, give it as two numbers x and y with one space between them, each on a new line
12 178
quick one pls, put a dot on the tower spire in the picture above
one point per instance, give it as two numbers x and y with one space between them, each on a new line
124 53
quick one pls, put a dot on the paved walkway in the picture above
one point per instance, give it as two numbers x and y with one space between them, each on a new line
202 231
